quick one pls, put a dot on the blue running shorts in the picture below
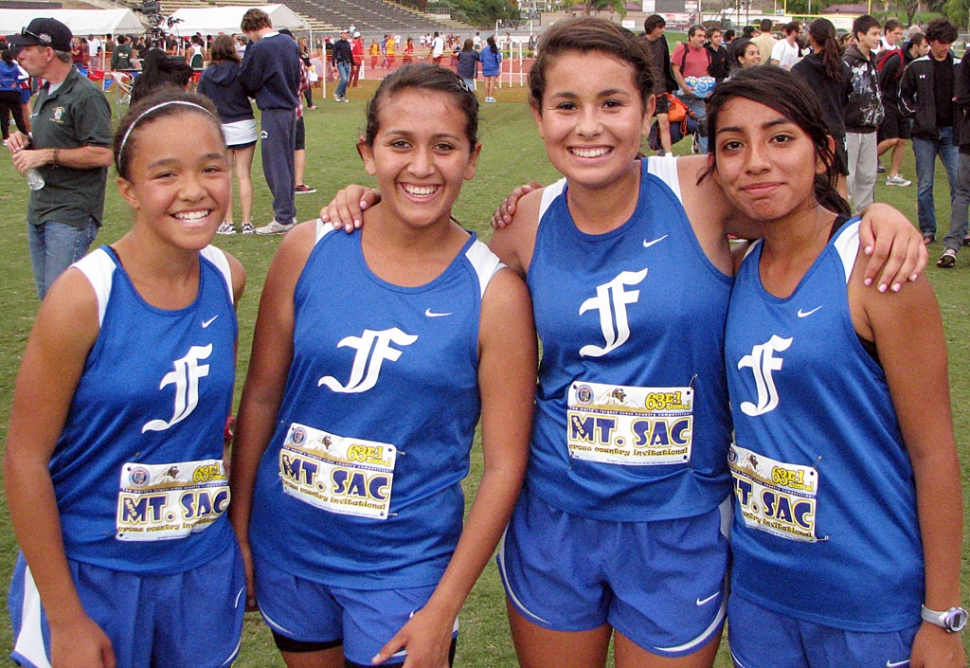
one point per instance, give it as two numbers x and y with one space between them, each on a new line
187 619
762 638
661 584
313 612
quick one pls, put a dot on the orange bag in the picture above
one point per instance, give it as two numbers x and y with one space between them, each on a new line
678 110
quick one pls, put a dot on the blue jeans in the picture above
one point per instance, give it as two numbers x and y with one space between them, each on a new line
343 69
54 247
926 151
959 205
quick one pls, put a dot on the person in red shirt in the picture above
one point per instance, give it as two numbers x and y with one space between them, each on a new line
357 50
691 59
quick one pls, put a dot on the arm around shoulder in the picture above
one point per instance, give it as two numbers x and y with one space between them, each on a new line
515 242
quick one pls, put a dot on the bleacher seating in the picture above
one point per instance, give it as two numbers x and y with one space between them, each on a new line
367 15
329 16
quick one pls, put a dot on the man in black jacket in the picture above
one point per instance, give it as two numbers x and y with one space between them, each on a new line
927 90
960 202
343 58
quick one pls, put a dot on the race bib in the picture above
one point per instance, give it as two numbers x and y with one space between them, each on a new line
166 501
774 496
348 476
639 426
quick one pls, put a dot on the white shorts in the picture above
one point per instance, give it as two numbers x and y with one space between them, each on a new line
240 133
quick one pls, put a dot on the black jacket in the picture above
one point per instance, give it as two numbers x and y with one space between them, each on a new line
665 79
918 96
894 64
832 95
342 52
720 66
863 109
961 117
220 83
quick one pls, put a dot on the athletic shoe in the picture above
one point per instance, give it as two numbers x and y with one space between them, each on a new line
928 239
344 99
274 227
312 106
897 180
966 240
247 228
304 189
226 228
948 259
880 168
336 97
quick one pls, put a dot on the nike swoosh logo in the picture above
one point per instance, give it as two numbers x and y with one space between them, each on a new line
206 323
897 664
805 314
710 598
430 314
648 244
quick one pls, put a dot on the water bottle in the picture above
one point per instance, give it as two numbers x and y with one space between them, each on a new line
34 180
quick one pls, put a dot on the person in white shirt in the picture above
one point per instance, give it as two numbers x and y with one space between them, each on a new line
785 53
437 48
94 48
892 36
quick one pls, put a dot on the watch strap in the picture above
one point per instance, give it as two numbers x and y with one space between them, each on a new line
952 620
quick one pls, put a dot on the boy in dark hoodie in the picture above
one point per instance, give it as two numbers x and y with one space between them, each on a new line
863 111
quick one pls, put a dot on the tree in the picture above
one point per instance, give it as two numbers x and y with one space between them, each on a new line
618 6
909 7
958 12
486 12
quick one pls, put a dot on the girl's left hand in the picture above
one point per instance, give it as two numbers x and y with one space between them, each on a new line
895 248
427 638
935 648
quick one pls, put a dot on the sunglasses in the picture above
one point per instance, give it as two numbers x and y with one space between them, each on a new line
43 39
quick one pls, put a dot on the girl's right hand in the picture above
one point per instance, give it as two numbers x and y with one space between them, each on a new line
247 558
80 643
346 209
503 214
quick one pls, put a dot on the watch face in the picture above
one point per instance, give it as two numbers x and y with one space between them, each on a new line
956 619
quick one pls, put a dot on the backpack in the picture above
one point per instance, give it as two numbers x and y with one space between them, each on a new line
890 87
685 125
884 57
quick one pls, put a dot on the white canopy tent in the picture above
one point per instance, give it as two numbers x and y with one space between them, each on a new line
215 20
82 22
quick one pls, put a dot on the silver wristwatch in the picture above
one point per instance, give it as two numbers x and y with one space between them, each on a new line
952 620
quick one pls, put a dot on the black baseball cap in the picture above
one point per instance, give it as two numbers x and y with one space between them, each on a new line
44 32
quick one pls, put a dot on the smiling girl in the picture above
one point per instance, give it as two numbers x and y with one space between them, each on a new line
848 515
113 468
360 406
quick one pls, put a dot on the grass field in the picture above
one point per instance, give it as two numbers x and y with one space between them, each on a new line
512 154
